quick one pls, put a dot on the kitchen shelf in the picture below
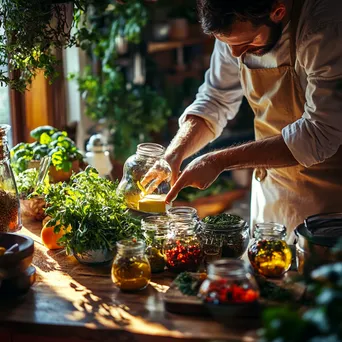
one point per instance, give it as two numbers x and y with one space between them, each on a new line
154 47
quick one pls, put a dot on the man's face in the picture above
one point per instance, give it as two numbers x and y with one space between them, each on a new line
247 38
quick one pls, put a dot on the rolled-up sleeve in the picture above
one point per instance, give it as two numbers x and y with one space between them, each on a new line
317 135
219 97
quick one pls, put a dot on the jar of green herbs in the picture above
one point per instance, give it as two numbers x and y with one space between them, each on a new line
155 230
223 236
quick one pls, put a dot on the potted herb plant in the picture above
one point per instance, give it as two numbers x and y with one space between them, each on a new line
96 214
65 156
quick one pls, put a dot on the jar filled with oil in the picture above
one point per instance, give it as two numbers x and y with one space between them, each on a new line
269 254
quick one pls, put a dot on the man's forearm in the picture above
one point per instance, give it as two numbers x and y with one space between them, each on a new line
268 153
191 137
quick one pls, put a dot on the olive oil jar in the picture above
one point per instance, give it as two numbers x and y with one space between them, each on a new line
269 254
131 270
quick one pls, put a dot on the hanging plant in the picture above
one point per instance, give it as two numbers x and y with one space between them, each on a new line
134 111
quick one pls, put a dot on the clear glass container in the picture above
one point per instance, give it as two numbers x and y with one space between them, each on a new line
182 248
148 158
224 240
155 230
186 215
10 219
229 281
131 269
269 254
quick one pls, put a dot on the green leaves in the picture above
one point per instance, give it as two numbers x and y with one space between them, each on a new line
50 142
95 212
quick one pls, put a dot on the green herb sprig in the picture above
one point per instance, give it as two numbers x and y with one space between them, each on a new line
96 213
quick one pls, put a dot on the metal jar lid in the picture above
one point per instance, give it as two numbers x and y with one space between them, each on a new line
321 229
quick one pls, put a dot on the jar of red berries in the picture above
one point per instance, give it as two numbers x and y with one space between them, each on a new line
182 248
230 286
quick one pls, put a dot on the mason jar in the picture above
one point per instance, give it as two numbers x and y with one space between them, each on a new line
10 218
155 230
269 254
182 248
186 215
224 239
131 269
229 281
149 157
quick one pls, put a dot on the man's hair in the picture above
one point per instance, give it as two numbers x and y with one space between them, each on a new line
218 16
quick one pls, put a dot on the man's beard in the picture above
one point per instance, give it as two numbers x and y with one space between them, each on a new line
276 30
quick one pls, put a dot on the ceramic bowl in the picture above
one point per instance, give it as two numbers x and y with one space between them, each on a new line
16 272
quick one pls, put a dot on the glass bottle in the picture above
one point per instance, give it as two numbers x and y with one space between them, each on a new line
149 157
185 215
229 281
269 254
224 240
182 248
10 220
155 230
131 269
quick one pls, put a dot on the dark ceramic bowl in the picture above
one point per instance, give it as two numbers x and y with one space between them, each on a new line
16 272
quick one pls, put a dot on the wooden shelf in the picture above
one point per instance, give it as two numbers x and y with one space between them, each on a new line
154 47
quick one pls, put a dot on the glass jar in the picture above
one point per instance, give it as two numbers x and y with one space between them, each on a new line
9 199
186 215
131 269
148 158
155 230
229 282
224 240
269 254
182 248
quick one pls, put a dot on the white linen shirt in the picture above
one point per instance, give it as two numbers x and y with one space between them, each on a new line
317 135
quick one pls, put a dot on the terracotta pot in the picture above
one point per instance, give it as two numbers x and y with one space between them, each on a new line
57 176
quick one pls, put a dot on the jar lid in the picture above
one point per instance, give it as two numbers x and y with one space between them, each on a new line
132 245
321 229
97 143
228 267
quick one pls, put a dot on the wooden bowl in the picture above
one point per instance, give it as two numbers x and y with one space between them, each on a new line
16 273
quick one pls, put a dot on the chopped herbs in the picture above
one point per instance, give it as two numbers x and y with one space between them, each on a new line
271 291
188 284
223 219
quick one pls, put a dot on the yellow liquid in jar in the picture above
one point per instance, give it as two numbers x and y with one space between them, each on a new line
132 200
131 275
271 258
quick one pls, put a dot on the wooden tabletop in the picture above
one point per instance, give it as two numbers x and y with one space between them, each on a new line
73 300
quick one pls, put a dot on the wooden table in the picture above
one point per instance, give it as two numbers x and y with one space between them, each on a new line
80 303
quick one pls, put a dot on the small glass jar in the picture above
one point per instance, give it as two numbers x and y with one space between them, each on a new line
224 240
10 220
155 230
186 215
229 282
269 254
131 269
148 157
182 248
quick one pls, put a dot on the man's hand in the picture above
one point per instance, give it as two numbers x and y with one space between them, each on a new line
157 174
200 174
